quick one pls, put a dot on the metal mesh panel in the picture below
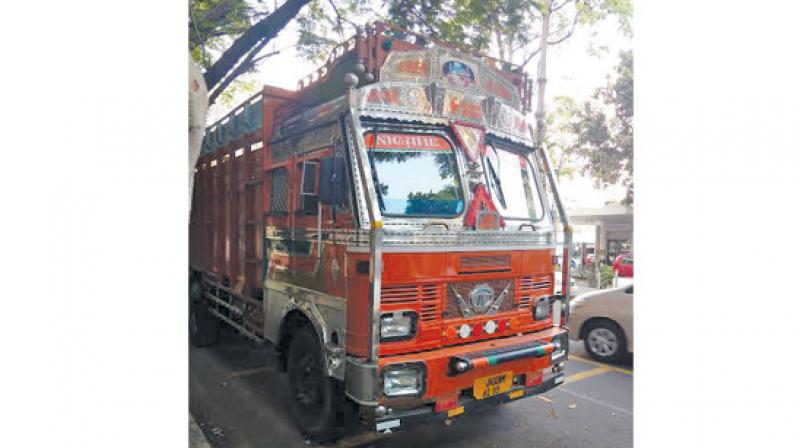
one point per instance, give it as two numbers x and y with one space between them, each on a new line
278 191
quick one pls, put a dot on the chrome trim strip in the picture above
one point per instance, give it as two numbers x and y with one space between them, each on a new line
376 225
562 211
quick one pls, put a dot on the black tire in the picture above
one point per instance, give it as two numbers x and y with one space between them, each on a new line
203 326
605 341
317 400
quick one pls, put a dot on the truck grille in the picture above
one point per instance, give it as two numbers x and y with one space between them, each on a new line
426 296
530 287
535 283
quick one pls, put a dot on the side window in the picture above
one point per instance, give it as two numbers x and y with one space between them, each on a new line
346 207
278 191
309 172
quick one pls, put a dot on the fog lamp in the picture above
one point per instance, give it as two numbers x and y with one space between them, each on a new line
403 380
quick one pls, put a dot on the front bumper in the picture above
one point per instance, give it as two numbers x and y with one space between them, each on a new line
405 419
449 390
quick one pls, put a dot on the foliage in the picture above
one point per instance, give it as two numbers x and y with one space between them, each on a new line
326 23
472 23
227 38
507 29
443 202
213 24
606 275
561 143
600 131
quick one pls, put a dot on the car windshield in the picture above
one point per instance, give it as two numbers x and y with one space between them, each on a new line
512 183
415 175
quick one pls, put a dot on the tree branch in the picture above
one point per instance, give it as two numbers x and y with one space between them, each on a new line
566 36
340 18
556 8
529 57
263 31
242 68
525 44
249 62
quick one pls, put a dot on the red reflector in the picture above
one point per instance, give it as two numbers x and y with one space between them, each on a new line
502 325
477 329
446 403
533 378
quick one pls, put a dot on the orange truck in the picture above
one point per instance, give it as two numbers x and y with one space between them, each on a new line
390 226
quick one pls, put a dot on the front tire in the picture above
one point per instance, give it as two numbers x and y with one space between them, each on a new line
605 341
317 399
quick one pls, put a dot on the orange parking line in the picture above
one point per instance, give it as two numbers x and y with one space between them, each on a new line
600 364
586 374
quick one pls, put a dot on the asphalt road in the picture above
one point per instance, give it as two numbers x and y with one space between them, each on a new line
239 399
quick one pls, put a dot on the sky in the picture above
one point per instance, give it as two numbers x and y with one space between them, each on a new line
571 72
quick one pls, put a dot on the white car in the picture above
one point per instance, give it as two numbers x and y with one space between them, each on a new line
604 320
557 287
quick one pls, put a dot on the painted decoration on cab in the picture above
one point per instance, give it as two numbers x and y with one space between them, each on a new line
507 119
391 97
471 139
496 85
458 73
460 106
406 66
388 140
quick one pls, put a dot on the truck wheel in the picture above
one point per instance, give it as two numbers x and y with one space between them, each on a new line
203 326
604 341
316 398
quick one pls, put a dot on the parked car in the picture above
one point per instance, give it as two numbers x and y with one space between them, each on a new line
604 320
557 287
623 265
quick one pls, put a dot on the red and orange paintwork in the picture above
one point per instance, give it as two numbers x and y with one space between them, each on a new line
227 222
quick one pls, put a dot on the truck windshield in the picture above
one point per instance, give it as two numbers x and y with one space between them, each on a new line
512 183
415 175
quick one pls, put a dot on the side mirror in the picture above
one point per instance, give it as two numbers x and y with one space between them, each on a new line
332 177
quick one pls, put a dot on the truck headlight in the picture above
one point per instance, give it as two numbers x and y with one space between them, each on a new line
398 325
404 380
542 309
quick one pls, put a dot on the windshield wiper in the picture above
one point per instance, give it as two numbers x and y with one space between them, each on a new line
496 180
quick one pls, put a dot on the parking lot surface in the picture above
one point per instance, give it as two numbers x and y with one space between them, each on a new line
239 398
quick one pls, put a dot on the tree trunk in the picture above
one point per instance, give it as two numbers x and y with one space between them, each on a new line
499 40
541 76
198 104
267 28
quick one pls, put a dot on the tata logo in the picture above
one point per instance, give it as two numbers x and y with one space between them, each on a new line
480 298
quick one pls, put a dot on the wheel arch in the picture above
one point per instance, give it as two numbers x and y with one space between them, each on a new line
291 323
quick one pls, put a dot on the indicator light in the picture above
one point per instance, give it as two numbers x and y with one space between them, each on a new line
464 331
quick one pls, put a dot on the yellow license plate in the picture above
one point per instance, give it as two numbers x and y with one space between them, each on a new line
491 385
